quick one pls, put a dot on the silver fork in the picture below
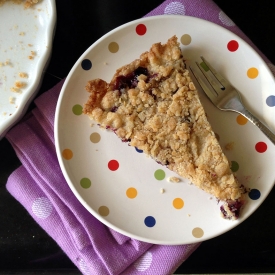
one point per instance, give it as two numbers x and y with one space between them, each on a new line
224 96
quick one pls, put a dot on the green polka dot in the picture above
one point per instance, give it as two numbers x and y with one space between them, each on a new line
77 109
159 174
85 183
234 166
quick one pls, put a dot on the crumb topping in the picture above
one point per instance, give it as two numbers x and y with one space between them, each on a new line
153 104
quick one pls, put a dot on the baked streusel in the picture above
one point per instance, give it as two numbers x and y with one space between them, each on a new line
153 104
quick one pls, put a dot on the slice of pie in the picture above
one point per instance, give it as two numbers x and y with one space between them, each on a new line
153 105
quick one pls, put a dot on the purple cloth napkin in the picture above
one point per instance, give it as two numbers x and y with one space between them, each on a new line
41 188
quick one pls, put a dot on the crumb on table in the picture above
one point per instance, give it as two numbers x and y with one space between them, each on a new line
27 3
23 75
19 84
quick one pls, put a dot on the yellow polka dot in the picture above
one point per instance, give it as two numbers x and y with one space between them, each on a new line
113 47
252 72
103 211
241 120
197 232
95 137
67 154
178 203
131 192
185 39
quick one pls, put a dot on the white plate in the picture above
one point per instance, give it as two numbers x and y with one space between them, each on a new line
25 47
107 192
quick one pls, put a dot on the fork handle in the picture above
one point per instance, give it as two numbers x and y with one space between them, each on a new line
259 124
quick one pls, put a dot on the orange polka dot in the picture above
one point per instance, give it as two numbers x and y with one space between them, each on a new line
67 154
131 192
178 203
241 120
252 72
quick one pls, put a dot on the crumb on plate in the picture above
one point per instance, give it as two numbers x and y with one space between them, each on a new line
12 100
229 146
174 179
23 75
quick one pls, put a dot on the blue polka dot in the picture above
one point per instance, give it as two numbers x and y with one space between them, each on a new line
254 194
270 101
86 64
150 221
138 150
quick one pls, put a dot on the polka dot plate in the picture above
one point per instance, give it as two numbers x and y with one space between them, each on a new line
25 49
130 192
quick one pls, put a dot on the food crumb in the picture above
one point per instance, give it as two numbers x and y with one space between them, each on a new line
229 146
33 54
161 190
16 90
12 100
23 75
22 33
6 63
19 84
174 179
188 215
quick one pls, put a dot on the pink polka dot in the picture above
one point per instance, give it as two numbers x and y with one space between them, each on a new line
232 45
261 147
141 29
113 165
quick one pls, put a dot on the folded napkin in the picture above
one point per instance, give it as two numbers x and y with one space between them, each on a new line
41 188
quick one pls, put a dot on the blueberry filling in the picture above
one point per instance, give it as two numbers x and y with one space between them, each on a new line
131 80
114 109
126 140
234 207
